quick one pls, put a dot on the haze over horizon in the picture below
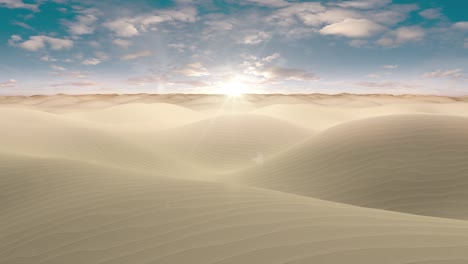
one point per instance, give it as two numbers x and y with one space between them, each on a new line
225 46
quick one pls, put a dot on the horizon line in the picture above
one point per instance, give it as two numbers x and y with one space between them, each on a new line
247 94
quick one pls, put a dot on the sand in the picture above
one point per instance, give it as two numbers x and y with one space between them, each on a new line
210 179
407 163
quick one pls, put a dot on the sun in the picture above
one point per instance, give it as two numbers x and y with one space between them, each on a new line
234 87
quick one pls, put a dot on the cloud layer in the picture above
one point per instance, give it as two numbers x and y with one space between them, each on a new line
265 44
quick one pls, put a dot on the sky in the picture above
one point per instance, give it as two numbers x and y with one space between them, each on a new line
227 46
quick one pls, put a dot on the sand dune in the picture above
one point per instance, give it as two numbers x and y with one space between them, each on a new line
276 179
68 212
410 163
42 134
231 141
220 143
140 117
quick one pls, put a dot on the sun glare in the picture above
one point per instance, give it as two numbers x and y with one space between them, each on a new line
234 88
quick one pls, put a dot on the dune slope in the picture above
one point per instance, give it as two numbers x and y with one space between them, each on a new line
60 211
409 163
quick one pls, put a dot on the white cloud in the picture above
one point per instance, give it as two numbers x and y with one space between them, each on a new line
180 47
17 4
217 24
57 68
431 13
330 16
364 4
132 26
122 42
47 58
255 66
141 54
84 23
296 12
271 58
280 73
186 14
22 24
389 67
402 35
463 25
194 69
391 15
353 28
36 43
256 38
363 18
311 14
91 61
405 34
454 74
122 28
265 70
8 84
14 39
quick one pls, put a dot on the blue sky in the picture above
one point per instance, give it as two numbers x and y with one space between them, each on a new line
256 46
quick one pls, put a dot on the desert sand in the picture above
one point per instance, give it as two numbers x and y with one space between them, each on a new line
213 179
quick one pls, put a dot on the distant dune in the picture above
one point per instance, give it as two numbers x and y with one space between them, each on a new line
141 116
359 179
230 141
42 134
